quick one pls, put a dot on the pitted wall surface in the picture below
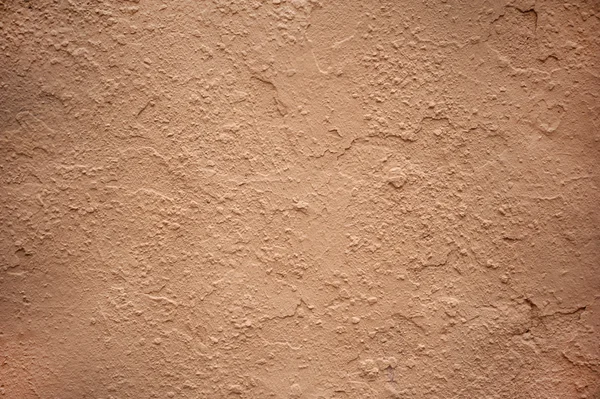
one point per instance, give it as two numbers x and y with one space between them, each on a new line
299 199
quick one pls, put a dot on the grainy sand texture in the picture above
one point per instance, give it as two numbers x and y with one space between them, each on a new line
300 199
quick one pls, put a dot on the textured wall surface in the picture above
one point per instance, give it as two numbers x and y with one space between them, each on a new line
299 199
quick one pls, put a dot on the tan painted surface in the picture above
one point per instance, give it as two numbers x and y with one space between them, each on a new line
299 199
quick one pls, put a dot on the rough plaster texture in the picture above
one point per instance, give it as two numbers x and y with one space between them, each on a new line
299 199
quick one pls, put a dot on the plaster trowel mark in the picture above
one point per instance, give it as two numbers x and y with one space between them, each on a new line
281 106
530 11
149 103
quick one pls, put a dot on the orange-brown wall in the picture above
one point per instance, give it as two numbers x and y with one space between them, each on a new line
299 199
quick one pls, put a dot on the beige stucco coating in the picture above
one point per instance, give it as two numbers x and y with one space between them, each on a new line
299 199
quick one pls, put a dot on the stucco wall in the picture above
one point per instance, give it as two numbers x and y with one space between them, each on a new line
299 199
